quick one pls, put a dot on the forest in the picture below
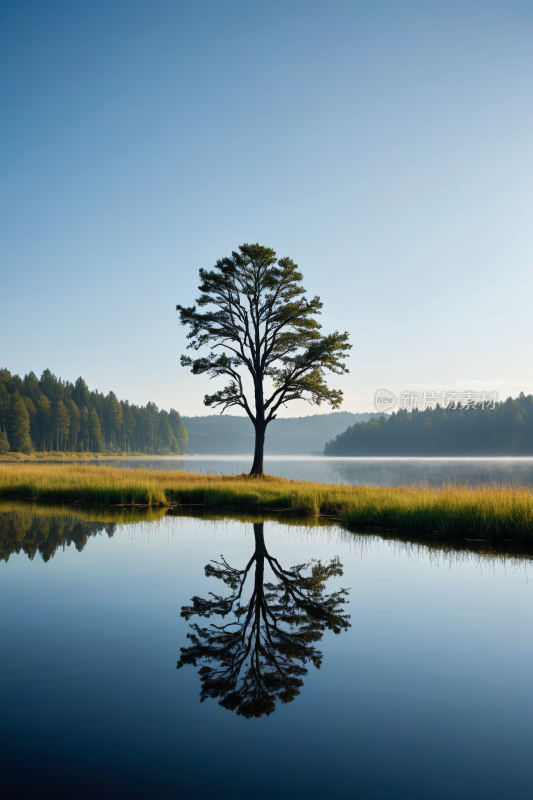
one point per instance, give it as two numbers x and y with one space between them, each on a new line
505 430
49 414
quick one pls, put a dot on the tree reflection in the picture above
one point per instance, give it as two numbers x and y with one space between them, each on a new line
261 655
29 532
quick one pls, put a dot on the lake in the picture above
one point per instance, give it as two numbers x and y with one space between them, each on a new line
355 471
424 691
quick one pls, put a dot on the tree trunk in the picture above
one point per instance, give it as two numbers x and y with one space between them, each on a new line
260 427
257 466
259 536
260 553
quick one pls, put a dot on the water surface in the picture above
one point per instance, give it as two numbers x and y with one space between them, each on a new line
356 471
425 691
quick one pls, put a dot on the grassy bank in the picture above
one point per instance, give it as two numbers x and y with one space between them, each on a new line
53 455
488 512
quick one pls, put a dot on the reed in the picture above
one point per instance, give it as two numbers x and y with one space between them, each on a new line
494 512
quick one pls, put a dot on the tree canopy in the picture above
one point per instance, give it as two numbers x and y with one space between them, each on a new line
256 319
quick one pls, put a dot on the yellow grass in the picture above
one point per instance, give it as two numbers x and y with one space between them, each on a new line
489 512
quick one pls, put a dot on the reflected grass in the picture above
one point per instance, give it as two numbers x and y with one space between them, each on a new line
491 513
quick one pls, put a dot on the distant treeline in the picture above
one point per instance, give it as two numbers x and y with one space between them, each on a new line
51 414
505 430
230 435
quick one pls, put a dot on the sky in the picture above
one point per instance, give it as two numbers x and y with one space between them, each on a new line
386 147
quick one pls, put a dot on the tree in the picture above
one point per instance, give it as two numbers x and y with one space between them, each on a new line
128 423
5 404
167 440
81 394
44 414
85 429
178 426
4 444
62 421
259 321
51 386
20 425
95 431
261 655
74 429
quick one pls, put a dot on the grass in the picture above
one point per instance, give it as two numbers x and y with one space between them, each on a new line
490 513
57 455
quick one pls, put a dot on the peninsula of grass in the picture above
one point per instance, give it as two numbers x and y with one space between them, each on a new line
490 513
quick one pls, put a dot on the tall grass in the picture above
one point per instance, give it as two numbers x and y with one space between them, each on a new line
492 512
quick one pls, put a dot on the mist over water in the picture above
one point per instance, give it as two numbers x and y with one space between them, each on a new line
356 471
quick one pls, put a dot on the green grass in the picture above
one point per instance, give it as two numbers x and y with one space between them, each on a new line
491 513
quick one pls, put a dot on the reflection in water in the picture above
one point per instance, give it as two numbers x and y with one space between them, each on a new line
45 527
24 530
261 656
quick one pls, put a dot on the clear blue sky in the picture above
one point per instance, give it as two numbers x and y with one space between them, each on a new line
385 146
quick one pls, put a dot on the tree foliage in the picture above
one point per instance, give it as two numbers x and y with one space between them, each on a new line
260 655
255 319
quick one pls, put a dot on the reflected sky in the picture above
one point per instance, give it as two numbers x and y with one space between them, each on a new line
427 694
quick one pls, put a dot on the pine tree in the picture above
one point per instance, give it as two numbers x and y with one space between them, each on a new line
128 423
62 421
4 444
74 414
44 420
5 405
85 431
167 441
113 413
178 426
51 386
81 394
20 425
97 440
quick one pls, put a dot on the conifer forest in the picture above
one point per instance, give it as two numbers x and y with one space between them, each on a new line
505 430
49 414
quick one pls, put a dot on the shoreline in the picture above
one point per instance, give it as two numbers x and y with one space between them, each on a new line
454 511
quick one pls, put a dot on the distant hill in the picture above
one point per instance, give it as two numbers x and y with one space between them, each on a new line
230 435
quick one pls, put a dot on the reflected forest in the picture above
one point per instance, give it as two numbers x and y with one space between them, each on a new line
260 655
30 533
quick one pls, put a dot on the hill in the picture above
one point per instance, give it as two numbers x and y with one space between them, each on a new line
231 435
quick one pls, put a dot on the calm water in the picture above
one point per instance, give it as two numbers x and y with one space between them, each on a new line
357 471
427 694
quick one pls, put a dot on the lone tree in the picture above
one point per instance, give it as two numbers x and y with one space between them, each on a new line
261 654
257 319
